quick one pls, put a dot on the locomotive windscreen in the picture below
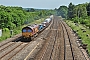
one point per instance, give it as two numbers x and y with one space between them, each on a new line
29 30
24 30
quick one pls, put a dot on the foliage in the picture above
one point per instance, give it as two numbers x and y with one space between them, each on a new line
70 10
62 11
11 17
78 13
88 9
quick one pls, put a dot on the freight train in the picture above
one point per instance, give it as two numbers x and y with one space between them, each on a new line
32 30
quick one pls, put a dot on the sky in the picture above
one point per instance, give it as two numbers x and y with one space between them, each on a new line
40 4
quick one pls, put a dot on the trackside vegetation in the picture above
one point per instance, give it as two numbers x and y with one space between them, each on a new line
82 31
78 18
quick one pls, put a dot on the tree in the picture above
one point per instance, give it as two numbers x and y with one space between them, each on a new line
62 11
32 10
11 17
88 9
70 10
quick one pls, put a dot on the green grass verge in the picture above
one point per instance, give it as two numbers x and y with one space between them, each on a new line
83 35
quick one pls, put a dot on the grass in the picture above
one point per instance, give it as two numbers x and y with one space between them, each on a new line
83 35
17 30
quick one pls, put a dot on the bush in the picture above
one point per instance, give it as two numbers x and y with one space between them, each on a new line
75 19
6 29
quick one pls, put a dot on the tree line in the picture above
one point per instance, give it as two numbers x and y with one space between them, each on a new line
11 17
78 13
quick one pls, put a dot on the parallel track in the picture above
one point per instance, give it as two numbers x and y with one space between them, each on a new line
74 52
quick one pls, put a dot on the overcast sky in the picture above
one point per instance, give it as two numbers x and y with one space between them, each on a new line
46 4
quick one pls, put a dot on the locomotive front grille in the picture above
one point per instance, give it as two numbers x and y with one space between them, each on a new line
26 35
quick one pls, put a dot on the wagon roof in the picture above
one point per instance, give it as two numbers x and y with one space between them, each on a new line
44 22
31 26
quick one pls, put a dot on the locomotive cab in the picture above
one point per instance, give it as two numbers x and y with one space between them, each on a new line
27 32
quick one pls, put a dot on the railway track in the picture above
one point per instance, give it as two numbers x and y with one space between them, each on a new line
73 51
60 44
55 43
11 50
17 37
